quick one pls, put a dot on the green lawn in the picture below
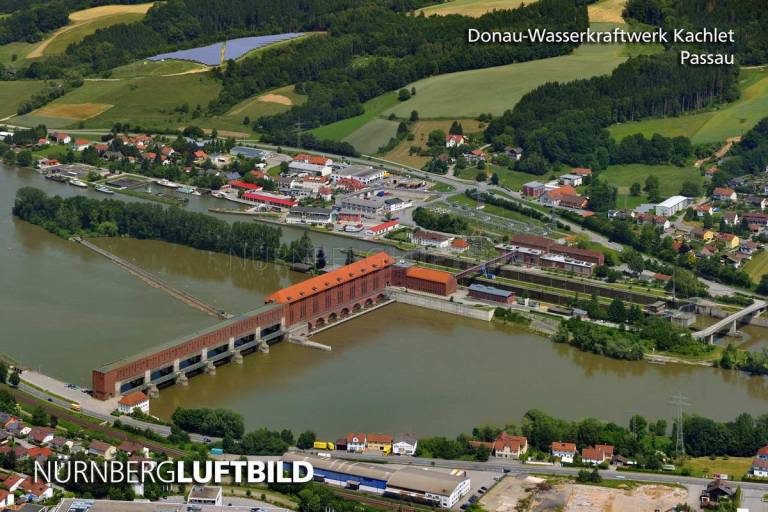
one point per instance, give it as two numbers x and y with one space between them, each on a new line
142 68
13 94
734 467
712 126
254 108
493 209
462 94
147 102
345 128
671 179
20 50
371 136
757 266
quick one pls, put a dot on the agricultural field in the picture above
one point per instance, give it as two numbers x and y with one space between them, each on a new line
371 136
13 94
86 22
474 8
270 103
143 68
344 128
729 120
734 467
671 179
143 101
454 94
12 52
421 131
757 266
606 11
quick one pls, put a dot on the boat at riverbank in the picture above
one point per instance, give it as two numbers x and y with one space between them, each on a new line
56 177
105 190
167 184
77 183
186 189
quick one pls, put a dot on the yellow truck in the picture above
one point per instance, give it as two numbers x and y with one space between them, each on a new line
324 445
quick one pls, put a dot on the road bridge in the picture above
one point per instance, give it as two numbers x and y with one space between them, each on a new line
731 321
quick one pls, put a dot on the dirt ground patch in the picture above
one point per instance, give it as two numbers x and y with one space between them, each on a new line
606 11
276 98
587 498
76 111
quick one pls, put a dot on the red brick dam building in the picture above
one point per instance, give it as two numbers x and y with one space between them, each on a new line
315 302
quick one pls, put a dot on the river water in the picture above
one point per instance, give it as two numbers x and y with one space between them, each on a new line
65 310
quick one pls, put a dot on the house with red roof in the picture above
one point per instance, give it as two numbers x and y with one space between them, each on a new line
382 229
724 194
135 400
40 454
269 200
460 245
243 185
7 499
597 454
703 209
356 442
454 140
13 482
509 447
41 435
563 450
36 491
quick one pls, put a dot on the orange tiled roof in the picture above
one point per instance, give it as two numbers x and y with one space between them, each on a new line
428 274
133 398
333 278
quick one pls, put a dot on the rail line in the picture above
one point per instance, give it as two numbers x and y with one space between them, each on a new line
155 281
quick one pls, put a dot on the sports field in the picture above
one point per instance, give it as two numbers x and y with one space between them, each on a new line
270 103
421 130
671 180
86 22
473 8
145 102
730 120
757 266
456 94
13 94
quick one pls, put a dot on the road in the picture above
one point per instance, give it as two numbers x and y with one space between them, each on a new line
514 467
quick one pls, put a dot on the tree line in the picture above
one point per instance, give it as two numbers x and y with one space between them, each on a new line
79 215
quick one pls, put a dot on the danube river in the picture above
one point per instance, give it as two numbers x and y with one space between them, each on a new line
65 310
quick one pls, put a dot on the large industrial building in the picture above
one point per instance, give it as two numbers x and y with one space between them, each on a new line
413 277
421 485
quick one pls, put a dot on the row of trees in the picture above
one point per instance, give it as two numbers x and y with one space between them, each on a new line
445 223
82 216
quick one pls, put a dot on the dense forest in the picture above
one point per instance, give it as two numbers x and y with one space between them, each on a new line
30 20
566 122
80 215
747 18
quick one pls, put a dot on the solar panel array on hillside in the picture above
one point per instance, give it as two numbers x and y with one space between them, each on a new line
235 48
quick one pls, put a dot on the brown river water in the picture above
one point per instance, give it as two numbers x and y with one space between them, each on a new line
65 310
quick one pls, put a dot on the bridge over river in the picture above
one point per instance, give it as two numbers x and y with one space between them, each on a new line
731 321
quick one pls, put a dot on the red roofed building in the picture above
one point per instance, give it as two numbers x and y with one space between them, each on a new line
37 491
268 200
422 279
40 454
384 228
356 442
337 293
703 209
762 453
597 454
563 450
131 401
724 194
581 171
7 499
454 140
509 447
243 185
459 245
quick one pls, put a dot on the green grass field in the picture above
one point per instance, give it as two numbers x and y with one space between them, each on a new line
20 50
142 68
13 94
144 101
671 179
757 266
341 129
734 467
254 108
470 7
59 44
456 94
372 135
729 120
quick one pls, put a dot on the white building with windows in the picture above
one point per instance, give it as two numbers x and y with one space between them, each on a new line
404 444
672 205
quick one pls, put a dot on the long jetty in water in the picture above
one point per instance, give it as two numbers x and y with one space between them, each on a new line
155 281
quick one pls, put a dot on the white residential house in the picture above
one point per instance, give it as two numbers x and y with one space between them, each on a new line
356 442
724 194
573 180
404 444
509 447
731 218
6 498
131 401
565 451
759 468
430 239
454 141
